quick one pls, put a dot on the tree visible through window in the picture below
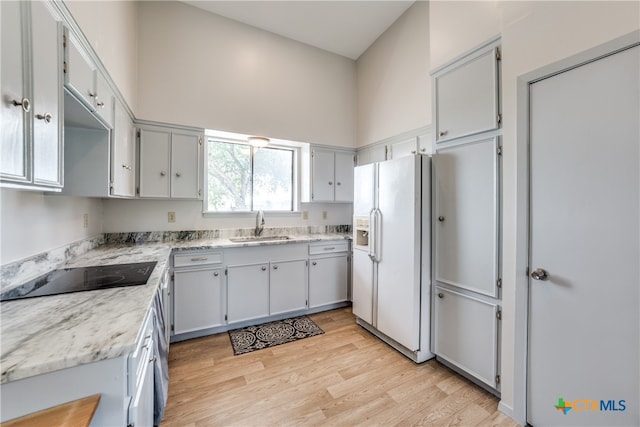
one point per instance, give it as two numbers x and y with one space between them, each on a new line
242 177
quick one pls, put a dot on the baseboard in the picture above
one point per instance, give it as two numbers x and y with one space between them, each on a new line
505 409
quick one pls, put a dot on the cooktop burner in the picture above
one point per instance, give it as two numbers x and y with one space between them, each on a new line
69 280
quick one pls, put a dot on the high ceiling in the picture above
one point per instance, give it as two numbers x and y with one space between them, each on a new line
347 28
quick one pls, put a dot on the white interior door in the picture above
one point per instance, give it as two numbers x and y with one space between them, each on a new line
583 320
398 296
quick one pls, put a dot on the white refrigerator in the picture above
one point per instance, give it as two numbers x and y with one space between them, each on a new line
391 253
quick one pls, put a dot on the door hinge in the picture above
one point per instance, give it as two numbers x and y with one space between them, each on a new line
200 141
225 317
499 314
499 283
64 41
498 54
313 153
499 118
138 132
355 160
225 272
173 276
499 150
64 67
386 152
497 379
138 191
306 303
173 328
527 271
199 192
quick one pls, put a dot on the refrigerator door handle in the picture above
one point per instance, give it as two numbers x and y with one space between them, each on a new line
378 227
372 234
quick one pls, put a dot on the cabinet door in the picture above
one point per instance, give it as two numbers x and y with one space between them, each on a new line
344 176
362 283
328 280
155 167
123 155
80 72
466 333
404 148
13 118
141 406
466 211
425 145
288 286
323 176
104 100
372 154
185 165
47 93
197 300
466 97
247 292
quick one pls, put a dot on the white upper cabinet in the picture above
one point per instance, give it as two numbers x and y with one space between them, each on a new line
80 71
372 154
123 155
170 163
466 95
331 175
407 147
31 80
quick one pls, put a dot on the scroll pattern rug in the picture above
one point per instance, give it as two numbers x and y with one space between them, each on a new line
257 337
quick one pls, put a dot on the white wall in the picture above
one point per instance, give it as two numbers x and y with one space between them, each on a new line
394 87
34 222
201 69
534 34
111 28
151 215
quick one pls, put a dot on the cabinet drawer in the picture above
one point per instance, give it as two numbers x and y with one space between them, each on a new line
186 260
328 248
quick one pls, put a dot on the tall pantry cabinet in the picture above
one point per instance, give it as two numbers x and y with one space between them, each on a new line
466 226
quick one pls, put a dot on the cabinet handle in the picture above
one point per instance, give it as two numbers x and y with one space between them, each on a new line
314 263
443 132
25 104
330 249
178 174
264 268
100 104
47 117
440 295
216 274
330 182
199 259
93 95
127 167
275 267
153 359
163 173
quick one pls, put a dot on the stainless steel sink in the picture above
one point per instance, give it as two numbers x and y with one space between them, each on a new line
250 239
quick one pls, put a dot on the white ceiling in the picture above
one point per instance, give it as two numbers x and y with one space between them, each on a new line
347 28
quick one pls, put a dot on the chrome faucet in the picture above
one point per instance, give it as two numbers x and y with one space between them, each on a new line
259 223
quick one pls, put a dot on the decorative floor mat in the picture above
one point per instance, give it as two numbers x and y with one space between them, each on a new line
257 337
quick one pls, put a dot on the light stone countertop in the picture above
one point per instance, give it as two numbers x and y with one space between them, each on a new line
45 334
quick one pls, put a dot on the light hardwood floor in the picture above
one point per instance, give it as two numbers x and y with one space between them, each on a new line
344 377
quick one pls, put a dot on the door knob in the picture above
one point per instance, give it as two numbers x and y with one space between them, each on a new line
540 274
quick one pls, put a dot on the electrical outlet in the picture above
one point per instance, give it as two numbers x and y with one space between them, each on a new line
305 214
85 220
171 216
324 214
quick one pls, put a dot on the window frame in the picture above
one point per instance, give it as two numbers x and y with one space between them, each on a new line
293 146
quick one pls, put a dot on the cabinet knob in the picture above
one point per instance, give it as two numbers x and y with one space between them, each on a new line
330 182
216 274
338 183
47 117
264 268
441 218
178 174
100 104
25 104
314 263
163 173
443 132
153 359
93 94
413 152
423 150
440 295
275 267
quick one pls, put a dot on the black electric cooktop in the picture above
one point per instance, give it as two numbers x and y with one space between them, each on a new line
67 280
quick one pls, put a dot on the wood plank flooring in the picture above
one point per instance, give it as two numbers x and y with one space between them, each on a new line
344 377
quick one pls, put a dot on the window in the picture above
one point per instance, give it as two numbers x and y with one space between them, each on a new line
242 177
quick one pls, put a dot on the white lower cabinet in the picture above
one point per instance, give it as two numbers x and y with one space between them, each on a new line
247 292
328 280
198 299
466 333
288 286
141 371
